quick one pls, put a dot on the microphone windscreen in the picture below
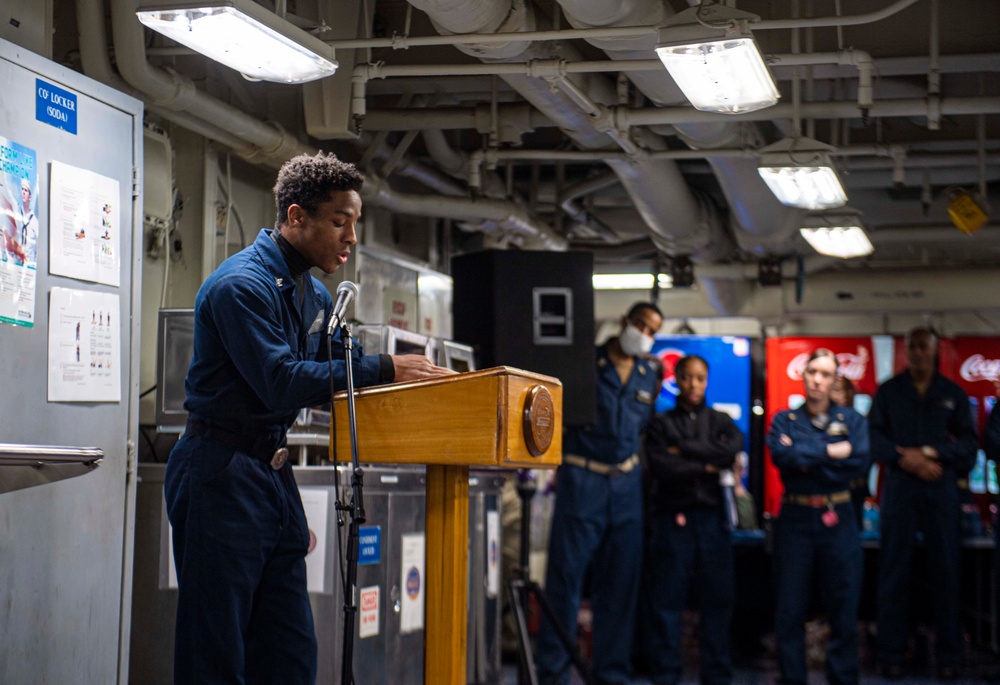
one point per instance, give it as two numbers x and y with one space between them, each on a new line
348 286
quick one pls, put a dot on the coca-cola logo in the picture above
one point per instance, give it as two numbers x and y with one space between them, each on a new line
979 368
851 366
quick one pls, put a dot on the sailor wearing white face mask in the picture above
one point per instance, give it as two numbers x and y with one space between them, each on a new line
597 522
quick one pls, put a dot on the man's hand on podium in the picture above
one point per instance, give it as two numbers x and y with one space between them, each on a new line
415 367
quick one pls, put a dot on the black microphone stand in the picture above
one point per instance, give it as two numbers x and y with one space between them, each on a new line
356 507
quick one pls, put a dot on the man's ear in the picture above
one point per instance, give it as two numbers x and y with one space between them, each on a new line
295 215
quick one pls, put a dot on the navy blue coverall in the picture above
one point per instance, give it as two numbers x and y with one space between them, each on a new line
239 530
597 523
942 419
818 539
690 540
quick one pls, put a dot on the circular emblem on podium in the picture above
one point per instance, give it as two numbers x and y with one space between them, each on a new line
539 420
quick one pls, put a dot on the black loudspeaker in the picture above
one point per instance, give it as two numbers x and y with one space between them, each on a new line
533 311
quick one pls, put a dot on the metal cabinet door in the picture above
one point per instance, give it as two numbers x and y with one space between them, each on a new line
404 651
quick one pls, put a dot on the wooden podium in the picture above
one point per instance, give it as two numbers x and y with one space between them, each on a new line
500 417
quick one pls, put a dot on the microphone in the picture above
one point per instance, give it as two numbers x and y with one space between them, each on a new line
346 292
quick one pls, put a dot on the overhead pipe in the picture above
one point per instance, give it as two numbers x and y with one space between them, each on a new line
506 215
410 168
820 22
455 163
937 233
469 118
825 66
877 180
567 201
934 74
625 251
777 62
555 70
904 107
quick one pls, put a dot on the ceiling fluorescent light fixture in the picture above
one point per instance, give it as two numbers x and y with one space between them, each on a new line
629 281
800 174
839 234
244 36
711 54
838 241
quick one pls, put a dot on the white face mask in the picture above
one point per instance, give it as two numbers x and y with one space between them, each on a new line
634 342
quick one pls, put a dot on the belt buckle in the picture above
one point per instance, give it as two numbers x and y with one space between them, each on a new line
816 501
279 458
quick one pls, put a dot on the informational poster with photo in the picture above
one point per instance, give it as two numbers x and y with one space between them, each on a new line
84 346
85 225
414 584
19 231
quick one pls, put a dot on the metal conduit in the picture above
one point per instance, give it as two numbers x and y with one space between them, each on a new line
906 107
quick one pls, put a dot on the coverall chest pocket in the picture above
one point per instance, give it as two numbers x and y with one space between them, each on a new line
311 347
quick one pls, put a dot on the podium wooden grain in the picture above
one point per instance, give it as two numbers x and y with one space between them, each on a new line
451 423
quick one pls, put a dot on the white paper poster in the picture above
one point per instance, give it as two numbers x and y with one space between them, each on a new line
18 232
492 553
84 225
84 346
368 626
413 582
316 502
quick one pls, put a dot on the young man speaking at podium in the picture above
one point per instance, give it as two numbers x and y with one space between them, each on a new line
260 355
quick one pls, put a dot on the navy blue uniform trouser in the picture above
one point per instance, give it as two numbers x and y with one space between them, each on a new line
597 524
699 553
240 539
805 548
908 506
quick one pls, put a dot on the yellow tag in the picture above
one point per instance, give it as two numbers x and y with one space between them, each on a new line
966 214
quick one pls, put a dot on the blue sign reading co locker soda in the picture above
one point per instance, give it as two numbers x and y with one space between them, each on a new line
55 106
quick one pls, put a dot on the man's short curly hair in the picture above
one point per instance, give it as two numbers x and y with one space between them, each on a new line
310 180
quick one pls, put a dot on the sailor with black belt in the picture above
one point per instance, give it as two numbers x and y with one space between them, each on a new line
597 523
819 449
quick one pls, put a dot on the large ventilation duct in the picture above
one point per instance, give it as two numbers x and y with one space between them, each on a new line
766 224
676 220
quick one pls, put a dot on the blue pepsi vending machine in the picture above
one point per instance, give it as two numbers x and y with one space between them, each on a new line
728 360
